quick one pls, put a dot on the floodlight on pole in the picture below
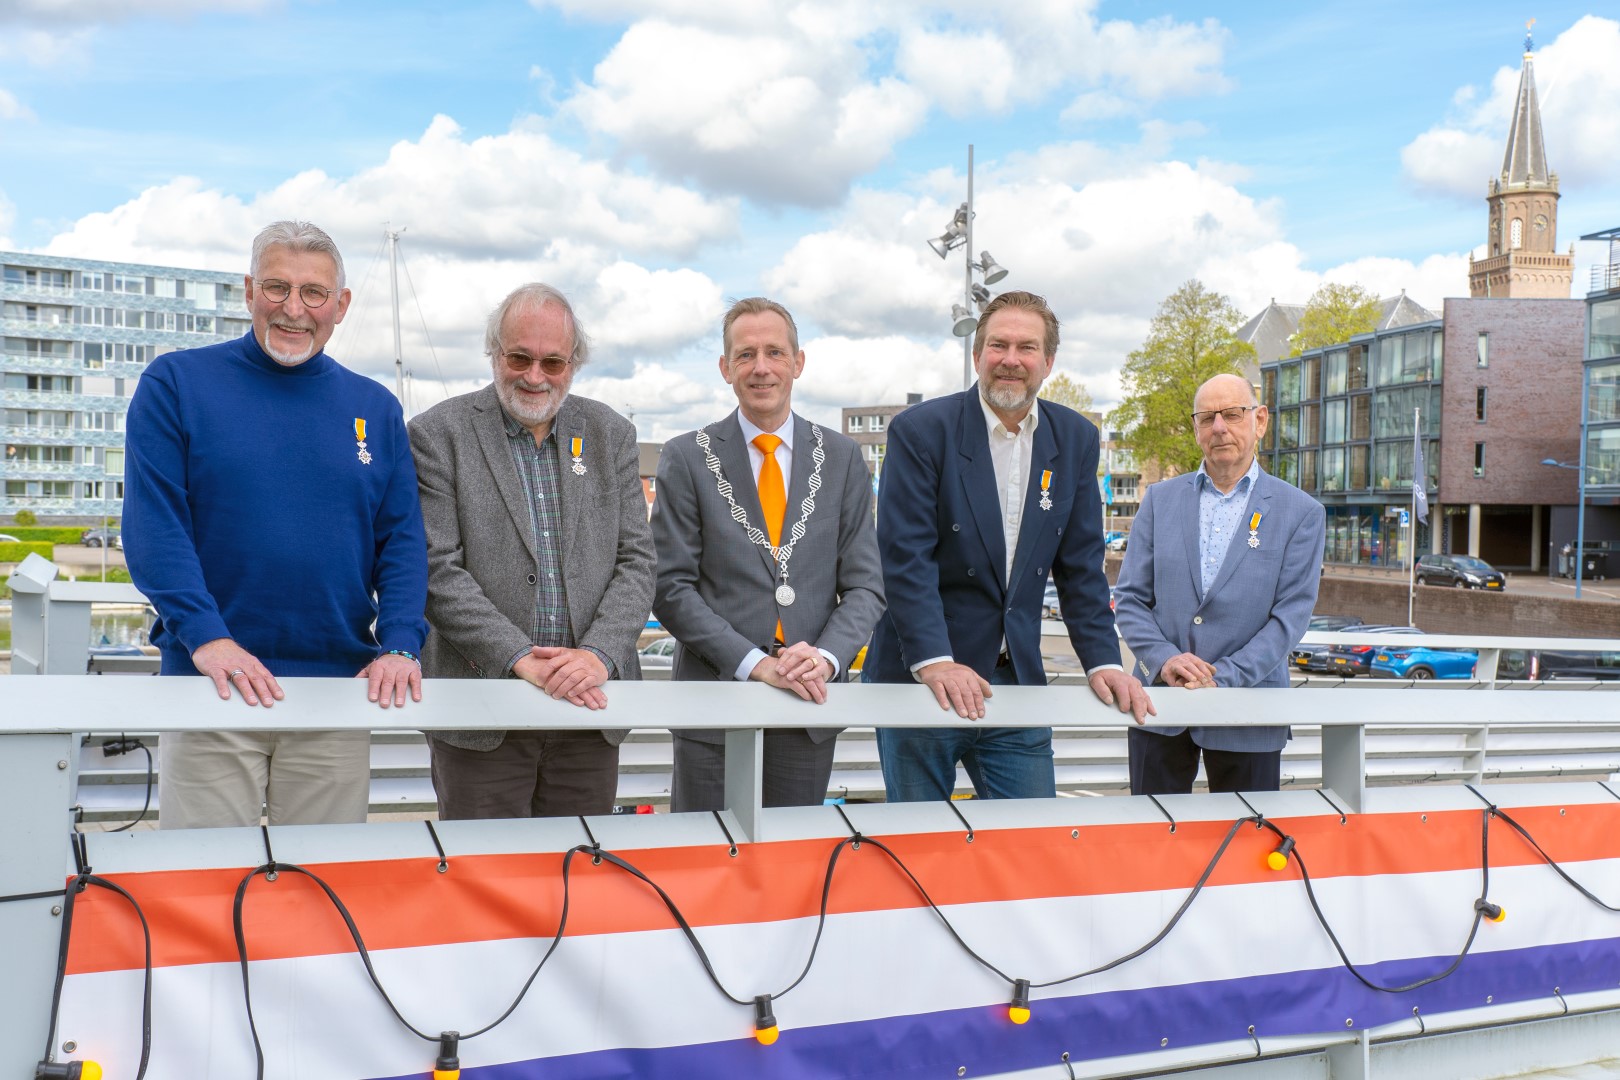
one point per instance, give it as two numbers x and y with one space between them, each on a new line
959 234
963 321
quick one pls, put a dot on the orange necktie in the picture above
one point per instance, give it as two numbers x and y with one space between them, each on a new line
772 495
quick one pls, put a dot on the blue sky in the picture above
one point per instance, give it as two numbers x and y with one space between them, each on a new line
654 157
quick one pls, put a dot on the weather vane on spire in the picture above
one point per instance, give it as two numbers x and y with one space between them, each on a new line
1529 43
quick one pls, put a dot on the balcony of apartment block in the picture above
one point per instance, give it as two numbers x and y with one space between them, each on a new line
58 400
45 435
53 364
1605 278
23 469
50 294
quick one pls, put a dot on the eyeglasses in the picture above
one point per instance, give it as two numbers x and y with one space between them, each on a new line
1232 416
277 292
519 363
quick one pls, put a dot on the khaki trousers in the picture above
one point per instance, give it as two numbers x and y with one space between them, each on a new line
216 779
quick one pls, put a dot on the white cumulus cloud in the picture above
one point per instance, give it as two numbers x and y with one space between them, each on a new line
1577 81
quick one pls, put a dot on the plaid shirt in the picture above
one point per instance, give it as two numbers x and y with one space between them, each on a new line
537 467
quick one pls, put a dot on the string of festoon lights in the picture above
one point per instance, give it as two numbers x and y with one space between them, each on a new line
1285 853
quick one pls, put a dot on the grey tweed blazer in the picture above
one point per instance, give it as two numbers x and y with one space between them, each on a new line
481 555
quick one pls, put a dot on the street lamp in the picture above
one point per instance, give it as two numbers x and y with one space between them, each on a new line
959 234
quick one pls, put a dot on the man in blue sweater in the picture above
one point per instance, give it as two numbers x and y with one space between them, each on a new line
271 516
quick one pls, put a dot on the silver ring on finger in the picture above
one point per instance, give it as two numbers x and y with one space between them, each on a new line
237 672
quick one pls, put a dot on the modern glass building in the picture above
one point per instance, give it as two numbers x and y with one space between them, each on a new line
75 336
1602 421
1341 429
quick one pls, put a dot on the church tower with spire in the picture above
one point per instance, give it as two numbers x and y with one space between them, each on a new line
1522 258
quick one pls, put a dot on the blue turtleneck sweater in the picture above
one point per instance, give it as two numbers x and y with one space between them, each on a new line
251 511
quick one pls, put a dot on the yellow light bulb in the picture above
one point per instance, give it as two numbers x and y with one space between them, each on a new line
1018 1015
89 1070
446 1074
1501 914
767 1035
1276 860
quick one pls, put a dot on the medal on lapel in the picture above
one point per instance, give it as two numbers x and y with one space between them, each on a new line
360 440
1046 489
1254 525
575 448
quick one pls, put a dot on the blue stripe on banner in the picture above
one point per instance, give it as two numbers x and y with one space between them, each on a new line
1092 1026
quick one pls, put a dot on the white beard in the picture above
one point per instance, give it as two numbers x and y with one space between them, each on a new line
525 413
1008 399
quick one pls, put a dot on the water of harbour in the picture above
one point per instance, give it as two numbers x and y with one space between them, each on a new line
106 628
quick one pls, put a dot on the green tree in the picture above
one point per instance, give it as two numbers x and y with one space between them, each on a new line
1335 314
26 518
1066 391
1192 339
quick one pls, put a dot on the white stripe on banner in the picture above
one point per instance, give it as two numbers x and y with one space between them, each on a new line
320 1018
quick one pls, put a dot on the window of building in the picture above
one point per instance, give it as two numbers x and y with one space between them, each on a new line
1310 378
1479 404
1334 372
1479 459
1268 388
1288 385
857 423
1356 372
1603 394
1360 417
1125 488
1288 429
1333 416
875 423
1310 419
1484 348
1307 470
1288 468
1603 457
1333 469
1604 339
1516 234
1358 469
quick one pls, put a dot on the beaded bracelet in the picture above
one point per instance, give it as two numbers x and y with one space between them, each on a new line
417 660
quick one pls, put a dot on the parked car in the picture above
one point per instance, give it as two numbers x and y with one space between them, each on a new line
1553 664
97 537
1460 571
658 654
1313 658
1117 543
1422 662
1351 660
1049 603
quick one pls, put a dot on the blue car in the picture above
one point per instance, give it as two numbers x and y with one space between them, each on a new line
1421 662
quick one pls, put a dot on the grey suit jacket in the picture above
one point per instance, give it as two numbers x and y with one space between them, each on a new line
716 590
1256 609
481 554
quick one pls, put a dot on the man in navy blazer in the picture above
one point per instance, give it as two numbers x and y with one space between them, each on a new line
1218 584
984 495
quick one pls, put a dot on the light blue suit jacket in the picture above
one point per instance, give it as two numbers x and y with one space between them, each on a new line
1256 610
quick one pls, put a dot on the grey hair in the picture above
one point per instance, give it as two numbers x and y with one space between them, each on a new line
757 305
298 236
532 297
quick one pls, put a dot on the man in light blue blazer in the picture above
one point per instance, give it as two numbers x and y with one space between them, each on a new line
1219 582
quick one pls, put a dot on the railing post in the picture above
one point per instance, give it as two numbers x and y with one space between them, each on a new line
1485 666
38 791
1344 763
745 779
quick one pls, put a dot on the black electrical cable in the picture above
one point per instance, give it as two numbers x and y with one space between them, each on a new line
74 887
1552 862
1468 943
150 779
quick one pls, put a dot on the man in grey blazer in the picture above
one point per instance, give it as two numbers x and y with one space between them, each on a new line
540 562
786 599
1219 581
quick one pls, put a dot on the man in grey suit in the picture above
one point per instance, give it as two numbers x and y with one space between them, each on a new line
1218 584
540 562
767 562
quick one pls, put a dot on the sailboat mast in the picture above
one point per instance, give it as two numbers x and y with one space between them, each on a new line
393 295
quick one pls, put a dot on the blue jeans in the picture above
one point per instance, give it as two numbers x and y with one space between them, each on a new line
919 764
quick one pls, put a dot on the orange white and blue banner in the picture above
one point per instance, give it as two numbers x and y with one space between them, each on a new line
889 994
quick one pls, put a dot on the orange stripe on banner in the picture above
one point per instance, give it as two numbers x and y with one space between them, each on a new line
407 903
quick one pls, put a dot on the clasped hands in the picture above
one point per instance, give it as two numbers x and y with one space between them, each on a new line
572 675
1188 671
799 669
